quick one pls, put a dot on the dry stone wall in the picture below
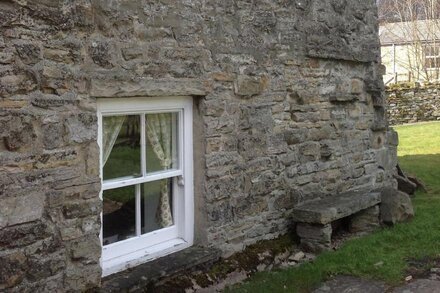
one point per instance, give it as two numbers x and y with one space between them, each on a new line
289 94
413 104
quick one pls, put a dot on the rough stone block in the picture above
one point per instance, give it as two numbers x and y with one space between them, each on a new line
18 210
82 277
392 137
405 185
331 208
87 249
30 53
396 206
12 269
52 135
148 88
81 128
24 234
343 97
81 209
366 220
249 86
387 158
315 237
378 139
132 53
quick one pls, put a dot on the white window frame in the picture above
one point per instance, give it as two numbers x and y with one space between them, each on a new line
432 53
122 255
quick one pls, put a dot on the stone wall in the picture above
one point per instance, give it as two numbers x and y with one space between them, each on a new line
413 104
289 93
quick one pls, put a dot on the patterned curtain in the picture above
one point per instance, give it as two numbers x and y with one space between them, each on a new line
110 132
159 133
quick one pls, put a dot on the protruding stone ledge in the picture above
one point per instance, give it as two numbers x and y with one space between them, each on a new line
145 275
332 208
108 88
315 218
341 98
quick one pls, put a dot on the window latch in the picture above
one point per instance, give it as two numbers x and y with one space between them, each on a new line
180 181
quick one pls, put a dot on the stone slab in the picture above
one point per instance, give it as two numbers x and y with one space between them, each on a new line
143 276
420 286
103 88
348 284
18 210
315 237
329 209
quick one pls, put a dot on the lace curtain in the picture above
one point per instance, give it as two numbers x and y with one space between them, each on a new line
110 132
159 133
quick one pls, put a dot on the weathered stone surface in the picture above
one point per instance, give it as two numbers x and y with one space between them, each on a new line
405 185
86 249
354 284
351 284
342 97
18 210
53 135
329 209
282 117
396 206
413 104
81 128
392 137
365 221
144 275
315 237
12 270
249 86
420 286
147 88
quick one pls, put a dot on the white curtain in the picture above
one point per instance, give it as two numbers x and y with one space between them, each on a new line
159 133
112 127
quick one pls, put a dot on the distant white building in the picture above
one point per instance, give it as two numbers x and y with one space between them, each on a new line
411 50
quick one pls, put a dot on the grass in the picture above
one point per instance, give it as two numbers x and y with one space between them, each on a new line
419 154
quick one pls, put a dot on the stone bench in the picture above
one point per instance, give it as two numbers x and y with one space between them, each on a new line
314 219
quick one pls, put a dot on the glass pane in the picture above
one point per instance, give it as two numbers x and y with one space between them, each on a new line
161 132
119 214
121 146
156 205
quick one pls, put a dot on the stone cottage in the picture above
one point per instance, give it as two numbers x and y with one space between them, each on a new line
132 129
410 51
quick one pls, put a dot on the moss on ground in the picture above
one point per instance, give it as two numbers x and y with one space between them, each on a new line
249 259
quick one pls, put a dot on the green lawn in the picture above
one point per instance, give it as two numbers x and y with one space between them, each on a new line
419 154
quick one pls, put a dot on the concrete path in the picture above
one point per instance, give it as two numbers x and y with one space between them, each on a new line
346 284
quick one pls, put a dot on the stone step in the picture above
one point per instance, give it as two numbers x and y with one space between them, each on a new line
146 275
328 209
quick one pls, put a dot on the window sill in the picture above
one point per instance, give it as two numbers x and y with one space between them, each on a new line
136 258
147 274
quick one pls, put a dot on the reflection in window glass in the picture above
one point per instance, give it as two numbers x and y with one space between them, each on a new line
161 133
156 205
119 214
121 146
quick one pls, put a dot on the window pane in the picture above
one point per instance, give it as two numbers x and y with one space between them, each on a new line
121 146
119 214
161 133
156 205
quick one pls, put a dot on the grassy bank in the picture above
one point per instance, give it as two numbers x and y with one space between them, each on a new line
419 154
